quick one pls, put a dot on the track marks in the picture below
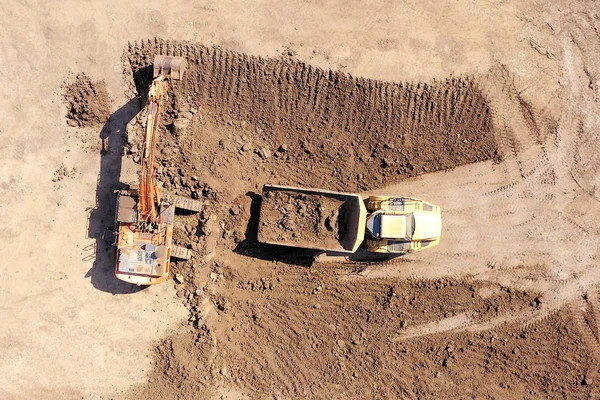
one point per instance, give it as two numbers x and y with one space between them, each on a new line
426 126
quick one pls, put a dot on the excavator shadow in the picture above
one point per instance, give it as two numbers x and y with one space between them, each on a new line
101 218
251 247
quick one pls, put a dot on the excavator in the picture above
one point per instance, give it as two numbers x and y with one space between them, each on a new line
144 219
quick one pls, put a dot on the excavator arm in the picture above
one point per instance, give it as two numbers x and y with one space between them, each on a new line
166 69
149 199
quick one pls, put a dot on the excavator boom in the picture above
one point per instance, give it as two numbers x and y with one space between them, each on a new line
148 200
166 68
144 220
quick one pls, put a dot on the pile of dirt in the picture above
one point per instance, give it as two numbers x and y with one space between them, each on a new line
338 131
290 217
87 102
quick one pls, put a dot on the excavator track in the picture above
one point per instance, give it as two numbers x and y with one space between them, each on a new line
184 203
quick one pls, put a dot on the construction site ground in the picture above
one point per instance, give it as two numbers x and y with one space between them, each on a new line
487 109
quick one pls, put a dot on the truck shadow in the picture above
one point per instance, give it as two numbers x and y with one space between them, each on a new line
101 218
251 247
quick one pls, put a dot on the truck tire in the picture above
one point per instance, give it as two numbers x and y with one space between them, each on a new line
388 246
375 203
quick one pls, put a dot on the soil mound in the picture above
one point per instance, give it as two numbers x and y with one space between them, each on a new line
87 102
289 217
339 131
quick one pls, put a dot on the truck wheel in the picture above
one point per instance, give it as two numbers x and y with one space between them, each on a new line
378 198
374 203
387 246
377 246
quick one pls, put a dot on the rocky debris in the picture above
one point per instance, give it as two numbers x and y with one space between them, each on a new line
178 278
88 103
63 172
585 381
247 147
264 153
186 115
283 148
181 123
299 217
537 302
260 285
224 305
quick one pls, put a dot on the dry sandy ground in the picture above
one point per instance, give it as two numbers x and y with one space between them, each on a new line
70 331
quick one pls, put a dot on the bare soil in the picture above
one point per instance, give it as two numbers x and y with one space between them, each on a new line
341 132
87 102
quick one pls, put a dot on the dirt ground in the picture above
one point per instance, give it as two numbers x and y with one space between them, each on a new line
487 109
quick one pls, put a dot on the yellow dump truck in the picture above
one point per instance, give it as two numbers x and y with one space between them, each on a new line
341 222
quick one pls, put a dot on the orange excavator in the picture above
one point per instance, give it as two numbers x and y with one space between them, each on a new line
144 220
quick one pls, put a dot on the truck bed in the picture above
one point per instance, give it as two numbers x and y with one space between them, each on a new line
311 218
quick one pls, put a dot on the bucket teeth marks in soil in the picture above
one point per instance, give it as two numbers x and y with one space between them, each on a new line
269 94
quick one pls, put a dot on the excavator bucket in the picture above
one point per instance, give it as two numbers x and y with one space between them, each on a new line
169 66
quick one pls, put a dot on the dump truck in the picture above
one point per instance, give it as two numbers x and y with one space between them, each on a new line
341 222
144 218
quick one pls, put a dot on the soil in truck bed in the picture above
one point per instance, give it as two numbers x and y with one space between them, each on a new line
298 218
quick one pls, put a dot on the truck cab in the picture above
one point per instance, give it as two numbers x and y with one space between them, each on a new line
402 224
